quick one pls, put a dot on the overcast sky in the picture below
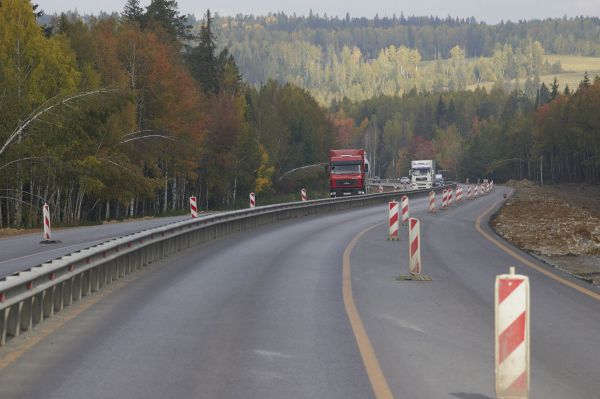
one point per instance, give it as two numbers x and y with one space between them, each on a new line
491 11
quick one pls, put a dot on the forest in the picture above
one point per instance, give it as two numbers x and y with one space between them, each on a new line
359 58
129 114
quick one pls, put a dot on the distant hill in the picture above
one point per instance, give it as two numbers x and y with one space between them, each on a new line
359 57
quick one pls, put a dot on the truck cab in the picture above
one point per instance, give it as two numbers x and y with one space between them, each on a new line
347 172
422 173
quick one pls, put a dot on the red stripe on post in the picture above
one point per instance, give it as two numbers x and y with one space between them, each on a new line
413 223
414 246
394 219
519 385
506 287
511 338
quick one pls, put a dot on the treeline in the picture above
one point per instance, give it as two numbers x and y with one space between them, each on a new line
359 59
497 134
129 115
433 37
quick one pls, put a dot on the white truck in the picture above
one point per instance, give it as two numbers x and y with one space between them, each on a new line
422 173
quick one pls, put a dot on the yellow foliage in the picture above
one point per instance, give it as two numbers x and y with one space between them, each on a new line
264 178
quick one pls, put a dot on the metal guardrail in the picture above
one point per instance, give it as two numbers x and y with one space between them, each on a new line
29 297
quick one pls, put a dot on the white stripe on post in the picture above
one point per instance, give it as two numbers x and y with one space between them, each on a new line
394 221
414 247
193 207
47 228
512 317
405 213
303 195
252 200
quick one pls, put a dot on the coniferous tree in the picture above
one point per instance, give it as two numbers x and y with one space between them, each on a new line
567 91
554 89
585 82
132 12
201 59
165 14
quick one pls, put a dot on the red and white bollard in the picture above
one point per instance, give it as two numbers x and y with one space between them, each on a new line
380 189
512 335
432 201
492 185
303 195
252 200
414 247
444 199
405 213
476 190
47 228
469 193
396 188
394 221
193 207
458 194
450 195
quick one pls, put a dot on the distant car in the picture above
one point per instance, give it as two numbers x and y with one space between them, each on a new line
404 180
377 179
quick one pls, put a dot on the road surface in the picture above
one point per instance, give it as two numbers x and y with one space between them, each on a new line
21 252
261 315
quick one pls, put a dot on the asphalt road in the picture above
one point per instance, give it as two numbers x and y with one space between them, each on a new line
24 251
261 315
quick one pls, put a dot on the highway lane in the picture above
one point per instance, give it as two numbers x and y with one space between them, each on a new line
22 252
261 315
435 339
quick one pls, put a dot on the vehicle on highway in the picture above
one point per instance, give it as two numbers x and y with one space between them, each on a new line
439 180
422 173
404 180
377 179
347 171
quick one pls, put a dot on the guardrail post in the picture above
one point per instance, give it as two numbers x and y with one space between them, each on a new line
58 297
37 314
26 310
48 302
14 320
68 292
3 326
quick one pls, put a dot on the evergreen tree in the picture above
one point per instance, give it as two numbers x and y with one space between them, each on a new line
203 63
440 113
165 14
132 12
554 89
585 82
544 95
567 91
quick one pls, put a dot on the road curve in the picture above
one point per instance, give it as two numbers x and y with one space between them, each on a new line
261 315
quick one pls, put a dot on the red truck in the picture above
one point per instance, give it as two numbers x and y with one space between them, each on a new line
347 172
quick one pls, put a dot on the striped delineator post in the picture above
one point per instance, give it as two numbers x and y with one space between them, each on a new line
492 185
47 227
193 207
444 199
380 189
414 247
252 200
405 213
475 192
394 221
469 193
450 195
512 336
459 194
303 195
432 201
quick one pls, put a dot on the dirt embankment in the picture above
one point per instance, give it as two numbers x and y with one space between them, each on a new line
558 223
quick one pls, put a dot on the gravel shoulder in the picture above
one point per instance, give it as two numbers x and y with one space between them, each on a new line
559 223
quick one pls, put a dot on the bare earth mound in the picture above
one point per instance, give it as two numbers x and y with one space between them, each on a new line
558 223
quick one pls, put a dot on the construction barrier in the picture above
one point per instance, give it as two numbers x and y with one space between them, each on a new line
380 189
432 201
459 194
252 200
405 213
303 195
193 207
414 247
469 193
450 195
394 221
445 199
512 335
47 228
476 190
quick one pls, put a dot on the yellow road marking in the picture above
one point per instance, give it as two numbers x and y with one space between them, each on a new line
526 262
379 384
